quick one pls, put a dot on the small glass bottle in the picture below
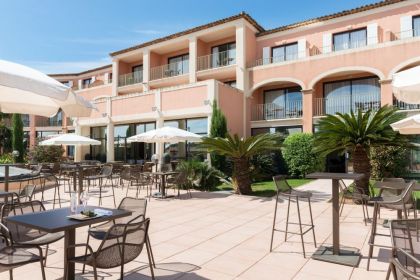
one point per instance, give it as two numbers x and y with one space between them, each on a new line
73 202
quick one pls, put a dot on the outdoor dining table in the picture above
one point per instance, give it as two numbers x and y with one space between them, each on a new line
163 175
77 171
53 221
335 254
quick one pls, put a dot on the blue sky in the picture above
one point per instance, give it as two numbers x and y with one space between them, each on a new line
57 36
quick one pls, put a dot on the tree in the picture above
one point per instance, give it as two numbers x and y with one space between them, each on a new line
299 156
357 133
218 128
240 151
17 136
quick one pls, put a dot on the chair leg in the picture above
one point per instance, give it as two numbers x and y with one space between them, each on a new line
312 221
364 215
149 250
341 207
274 223
122 271
373 233
113 193
59 196
300 227
287 220
95 273
150 256
11 273
46 255
55 193
86 251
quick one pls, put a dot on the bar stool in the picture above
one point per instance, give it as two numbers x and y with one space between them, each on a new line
402 202
285 190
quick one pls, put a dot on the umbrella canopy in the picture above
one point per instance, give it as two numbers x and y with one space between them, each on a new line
165 134
406 85
69 139
24 90
410 125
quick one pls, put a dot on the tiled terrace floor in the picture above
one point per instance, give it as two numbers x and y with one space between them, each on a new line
221 236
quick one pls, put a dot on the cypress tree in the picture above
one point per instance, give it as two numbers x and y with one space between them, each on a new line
218 128
17 136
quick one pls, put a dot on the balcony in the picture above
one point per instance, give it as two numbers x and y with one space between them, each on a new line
273 111
216 60
405 106
270 60
169 70
130 78
345 104
48 122
406 34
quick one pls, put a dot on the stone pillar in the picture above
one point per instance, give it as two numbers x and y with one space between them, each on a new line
240 57
386 92
110 141
307 110
78 153
146 69
115 77
193 59
32 131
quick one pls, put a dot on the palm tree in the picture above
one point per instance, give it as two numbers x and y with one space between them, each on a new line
356 133
240 151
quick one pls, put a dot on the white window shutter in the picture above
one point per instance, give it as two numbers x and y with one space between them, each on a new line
106 78
266 55
93 79
70 84
302 48
406 26
372 34
326 43
80 84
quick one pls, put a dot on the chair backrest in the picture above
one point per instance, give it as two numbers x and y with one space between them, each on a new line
122 244
125 173
148 166
406 195
106 170
343 187
137 206
281 184
181 178
18 232
405 236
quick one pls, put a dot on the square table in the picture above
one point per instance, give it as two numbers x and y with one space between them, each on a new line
52 221
344 256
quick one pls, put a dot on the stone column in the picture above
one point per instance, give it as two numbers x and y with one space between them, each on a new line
115 77
386 92
307 110
240 57
193 60
146 69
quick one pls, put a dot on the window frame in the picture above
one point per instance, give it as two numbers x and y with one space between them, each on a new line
348 33
284 54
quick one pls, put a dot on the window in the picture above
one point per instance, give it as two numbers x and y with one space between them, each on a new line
416 26
350 39
285 52
178 65
231 83
123 149
98 152
344 96
284 131
223 55
44 134
137 73
86 82
282 103
109 77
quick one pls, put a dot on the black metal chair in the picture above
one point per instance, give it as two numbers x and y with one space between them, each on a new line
285 190
121 244
402 202
22 235
405 260
104 175
179 182
357 195
13 256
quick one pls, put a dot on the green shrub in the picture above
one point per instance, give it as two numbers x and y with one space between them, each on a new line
389 161
218 128
200 174
299 156
6 158
17 137
40 154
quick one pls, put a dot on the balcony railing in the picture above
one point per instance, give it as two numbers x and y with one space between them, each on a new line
345 104
273 111
405 106
46 122
405 34
279 59
130 78
169 70
216 60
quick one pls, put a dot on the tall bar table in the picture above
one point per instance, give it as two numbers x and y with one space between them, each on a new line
335 254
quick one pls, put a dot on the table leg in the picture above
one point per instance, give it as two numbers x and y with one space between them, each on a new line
80 190
69 268
6 178
75 181
163 186
335 217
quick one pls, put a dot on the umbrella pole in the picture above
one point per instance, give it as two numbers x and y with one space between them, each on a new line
6 178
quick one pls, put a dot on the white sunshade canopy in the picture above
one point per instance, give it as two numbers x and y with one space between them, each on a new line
165 134
406 85
24 90
410 125
69 139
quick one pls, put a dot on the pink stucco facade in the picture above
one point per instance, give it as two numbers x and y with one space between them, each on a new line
166 92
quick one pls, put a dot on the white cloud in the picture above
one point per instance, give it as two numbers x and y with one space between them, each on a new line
57 67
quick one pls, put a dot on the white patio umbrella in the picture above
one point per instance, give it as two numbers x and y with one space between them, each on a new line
69 139
406 85
24 90
410 125
165 134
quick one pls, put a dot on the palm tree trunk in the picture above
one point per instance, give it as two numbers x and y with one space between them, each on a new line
241 175
361 164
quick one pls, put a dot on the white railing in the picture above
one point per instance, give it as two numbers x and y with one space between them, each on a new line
216 60
405 106
346 46
130 78
345 104
405 34
279 59
169 70
273 111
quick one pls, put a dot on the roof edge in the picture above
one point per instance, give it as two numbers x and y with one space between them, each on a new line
81 73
